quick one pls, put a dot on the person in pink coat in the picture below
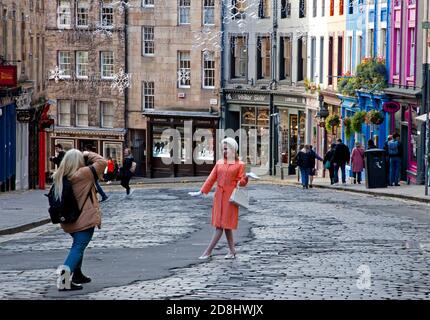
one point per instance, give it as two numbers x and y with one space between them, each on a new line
357 162
228 173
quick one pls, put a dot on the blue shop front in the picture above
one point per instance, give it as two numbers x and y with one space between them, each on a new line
365 101
7 146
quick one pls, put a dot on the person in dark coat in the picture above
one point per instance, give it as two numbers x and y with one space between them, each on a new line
340 158
60 155
328 164
314 156
395 151
125 171
304 162
371 144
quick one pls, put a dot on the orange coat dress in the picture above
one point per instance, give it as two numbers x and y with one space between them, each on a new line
224 213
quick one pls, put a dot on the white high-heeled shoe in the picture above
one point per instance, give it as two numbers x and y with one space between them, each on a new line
205 257
230 256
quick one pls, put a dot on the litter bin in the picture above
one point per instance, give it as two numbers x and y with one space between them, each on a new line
375 168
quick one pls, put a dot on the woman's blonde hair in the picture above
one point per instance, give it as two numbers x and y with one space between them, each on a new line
72 161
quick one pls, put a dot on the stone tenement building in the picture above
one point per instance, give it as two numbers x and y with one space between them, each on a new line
85 49
174 58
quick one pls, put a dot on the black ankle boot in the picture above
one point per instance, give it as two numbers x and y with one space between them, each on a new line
79 278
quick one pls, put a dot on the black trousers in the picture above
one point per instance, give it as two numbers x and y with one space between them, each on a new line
357 176
125 182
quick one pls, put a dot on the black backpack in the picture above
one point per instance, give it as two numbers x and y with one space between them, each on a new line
66 209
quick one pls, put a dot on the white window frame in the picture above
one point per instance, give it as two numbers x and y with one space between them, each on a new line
148 3
67 14
209 69
186 9
78 103
103 104
208 5
102 64
82 4
80 64
107 5
182 66
63 74
146 39
60 112
148 91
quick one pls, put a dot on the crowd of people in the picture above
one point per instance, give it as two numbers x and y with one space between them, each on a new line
339 156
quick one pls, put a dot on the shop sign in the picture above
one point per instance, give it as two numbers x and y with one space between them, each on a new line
246 97
391 107
8 76
24 115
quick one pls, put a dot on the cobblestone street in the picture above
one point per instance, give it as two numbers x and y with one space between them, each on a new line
292 244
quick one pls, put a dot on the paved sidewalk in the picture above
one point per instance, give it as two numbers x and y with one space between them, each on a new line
22 210
407 192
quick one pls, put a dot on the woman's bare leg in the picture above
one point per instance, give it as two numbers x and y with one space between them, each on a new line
217 235
230 241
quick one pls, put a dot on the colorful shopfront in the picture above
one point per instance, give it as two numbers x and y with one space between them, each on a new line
366 101
412 132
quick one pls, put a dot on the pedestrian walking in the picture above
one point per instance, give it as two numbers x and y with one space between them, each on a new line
59 154
395 154
304 163
387 159
340 158
371 144
99 188
314 156
126 171
357 162
228 173
110 170
328 164
81 177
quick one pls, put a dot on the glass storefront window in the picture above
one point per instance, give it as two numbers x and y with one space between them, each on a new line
161 146
113 150
255 122
205 145
294 133
248 116
67 144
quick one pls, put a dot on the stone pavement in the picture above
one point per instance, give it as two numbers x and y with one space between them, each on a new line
292 244
22 210
407 192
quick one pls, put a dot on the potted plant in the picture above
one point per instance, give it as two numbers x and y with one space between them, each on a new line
331 122
348 127
374 117
357 121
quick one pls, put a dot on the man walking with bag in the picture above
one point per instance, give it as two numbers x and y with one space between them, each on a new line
127 170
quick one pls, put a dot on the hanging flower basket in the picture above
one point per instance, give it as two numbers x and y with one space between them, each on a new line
331 122
357 120
374 117
347 123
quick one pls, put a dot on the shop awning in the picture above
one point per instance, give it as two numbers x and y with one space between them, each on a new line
183 114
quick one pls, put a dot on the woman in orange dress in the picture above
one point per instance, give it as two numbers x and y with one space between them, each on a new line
227 173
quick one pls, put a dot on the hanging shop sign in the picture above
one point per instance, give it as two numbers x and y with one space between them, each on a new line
8 76
24 115
391 106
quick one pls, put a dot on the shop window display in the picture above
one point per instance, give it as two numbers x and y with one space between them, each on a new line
161 145
255 122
